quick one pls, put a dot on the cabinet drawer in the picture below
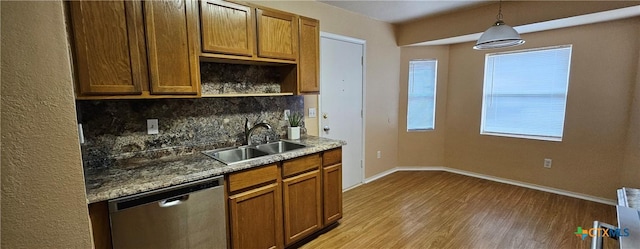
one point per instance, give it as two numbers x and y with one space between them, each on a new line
300 164
252 177
332 157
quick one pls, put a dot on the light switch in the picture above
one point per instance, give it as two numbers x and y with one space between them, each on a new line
80 133
286 114
152 126
312 112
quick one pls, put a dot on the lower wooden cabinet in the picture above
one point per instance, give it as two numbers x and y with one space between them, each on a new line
302 205
332 185
99 216
277 205
255 218
332 191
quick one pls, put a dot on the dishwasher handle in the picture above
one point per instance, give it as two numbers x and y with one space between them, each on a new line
170 202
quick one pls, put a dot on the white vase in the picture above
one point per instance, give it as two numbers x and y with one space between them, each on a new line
293 133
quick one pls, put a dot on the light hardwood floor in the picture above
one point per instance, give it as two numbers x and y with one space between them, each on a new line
446 210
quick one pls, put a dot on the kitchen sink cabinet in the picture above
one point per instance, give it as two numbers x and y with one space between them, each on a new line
332 186
135 49
256 218
301 195
302 205
255 208
309 62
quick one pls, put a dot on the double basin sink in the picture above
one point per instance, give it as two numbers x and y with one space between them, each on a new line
244 153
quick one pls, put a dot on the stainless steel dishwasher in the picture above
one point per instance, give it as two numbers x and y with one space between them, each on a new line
190 215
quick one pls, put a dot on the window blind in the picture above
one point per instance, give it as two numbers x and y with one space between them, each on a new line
422 94
525 93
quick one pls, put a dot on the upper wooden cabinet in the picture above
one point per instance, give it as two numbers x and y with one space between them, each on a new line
231 29
171 44
277 34
109 53
309 60
227 28
152 49
133 48
242 33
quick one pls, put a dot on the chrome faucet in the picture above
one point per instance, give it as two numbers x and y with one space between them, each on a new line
249 130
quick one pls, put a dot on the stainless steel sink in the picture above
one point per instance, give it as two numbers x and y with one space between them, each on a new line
234 155
279 147
240 154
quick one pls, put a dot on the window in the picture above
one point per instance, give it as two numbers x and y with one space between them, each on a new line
525 93
421 107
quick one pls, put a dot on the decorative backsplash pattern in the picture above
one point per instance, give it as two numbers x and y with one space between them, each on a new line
222 78
117 129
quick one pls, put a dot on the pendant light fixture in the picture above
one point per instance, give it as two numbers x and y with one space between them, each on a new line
499 35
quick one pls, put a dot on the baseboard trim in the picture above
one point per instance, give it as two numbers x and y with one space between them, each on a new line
495 179
380 175
352 187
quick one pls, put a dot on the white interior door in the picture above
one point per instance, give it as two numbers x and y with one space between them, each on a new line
341 78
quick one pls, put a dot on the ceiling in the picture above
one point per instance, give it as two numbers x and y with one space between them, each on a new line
403 10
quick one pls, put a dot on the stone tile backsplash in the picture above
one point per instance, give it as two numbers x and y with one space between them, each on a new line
222 78
117 129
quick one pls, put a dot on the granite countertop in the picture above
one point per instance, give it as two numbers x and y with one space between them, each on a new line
137 176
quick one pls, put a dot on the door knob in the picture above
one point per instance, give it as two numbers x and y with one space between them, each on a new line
326 128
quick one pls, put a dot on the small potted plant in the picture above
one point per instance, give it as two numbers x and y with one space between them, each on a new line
295 120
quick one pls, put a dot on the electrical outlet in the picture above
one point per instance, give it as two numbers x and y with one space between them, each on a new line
379 154
312 112
547 163
286 114
152 126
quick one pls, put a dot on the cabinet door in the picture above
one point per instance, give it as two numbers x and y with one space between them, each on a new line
109 47
227 28
332 189
277 35
308 64
302 206
256 218
100 227
173 56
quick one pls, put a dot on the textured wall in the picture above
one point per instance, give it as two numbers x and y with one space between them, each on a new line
590 157
631 168
423 148
381 75
43 194
118 128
